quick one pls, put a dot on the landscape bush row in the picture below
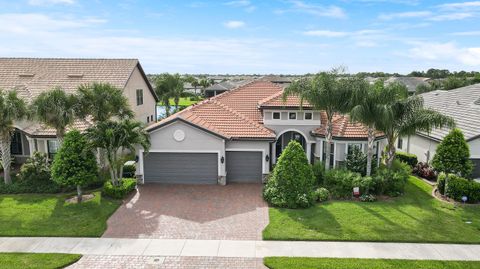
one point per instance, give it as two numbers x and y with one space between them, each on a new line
456 187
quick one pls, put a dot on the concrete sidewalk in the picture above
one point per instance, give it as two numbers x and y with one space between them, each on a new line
242 249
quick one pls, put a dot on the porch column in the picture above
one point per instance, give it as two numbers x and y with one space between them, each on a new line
320 142
334 154
309 152
31 145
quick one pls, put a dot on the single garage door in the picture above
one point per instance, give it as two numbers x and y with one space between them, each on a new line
182 168
244 166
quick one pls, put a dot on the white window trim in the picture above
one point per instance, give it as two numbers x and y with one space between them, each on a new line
292 112
311 113
279 115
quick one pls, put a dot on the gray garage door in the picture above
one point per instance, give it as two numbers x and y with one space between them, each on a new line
183 168
244 166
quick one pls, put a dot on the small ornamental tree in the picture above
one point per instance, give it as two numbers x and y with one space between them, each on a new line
292 182
453 155
75 163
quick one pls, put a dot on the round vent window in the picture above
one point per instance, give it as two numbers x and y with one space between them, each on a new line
179 135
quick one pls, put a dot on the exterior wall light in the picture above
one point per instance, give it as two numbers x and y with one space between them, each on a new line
267 158
222 160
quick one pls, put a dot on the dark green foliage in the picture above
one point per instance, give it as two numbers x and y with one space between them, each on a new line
442 178
292 182
321 194
35 168
426 171
356 162
456 187
319 172
368 198
75 163
29 186
453 155
410 159
129 170
392 181
127 185
340 182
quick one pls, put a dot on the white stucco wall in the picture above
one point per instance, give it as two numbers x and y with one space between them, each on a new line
263 146
475 148
135 82
420 146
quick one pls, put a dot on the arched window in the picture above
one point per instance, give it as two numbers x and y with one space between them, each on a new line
285 138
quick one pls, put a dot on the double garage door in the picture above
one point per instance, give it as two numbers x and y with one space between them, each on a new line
201 168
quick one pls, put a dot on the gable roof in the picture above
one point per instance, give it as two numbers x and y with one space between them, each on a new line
344 128
462 104
276 101
32 76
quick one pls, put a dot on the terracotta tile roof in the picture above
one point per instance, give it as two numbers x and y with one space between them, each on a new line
343 127
237 114
276 101
31 76
40 130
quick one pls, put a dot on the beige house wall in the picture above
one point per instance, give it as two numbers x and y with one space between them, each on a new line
147 109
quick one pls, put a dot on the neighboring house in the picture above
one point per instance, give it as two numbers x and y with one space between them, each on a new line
32 76
237 136
222 87
463 105
410 82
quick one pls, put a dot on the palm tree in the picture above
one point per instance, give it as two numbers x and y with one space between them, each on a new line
325 91
56 109
169 86
205 83
117 137
12 108
101 102
371 105
407 116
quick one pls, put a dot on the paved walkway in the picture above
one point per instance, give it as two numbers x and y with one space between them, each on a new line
238 249
207 212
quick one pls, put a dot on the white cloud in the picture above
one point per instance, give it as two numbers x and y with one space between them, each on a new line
468 33
234 24
245 4
451 17
316 10
461 5
446 52
325 33
403 15
28 23
50 2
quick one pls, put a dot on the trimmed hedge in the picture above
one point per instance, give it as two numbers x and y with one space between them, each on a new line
441 180
29 186
127 185
410 159
340 182
319 172
456 187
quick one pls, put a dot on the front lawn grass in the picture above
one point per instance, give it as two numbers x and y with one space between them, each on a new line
330 263
50 215
36 260
414 217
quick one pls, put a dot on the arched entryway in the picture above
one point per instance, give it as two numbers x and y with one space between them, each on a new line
285 138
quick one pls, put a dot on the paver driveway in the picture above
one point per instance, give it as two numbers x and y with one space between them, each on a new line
235 211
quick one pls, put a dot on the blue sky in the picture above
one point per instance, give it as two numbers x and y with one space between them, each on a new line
249 36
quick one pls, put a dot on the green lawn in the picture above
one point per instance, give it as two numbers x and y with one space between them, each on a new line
413 217
49 215
184 101
36 260
327 263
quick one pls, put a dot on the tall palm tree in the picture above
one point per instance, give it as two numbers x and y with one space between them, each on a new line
371 105
56 109
407 116
102 101
326 91
115 137
205 83
12 109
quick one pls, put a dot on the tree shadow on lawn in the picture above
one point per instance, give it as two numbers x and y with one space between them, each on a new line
50 215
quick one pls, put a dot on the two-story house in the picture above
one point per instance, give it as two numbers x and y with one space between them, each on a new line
32 76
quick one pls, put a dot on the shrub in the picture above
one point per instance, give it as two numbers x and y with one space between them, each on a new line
319 172
410 159
442 177
291 184
36 167
456 187
453 155
321 194
29 186
127 185
425 171
367 198
75 163
340 182
356 162
129 170
392 181
366 184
